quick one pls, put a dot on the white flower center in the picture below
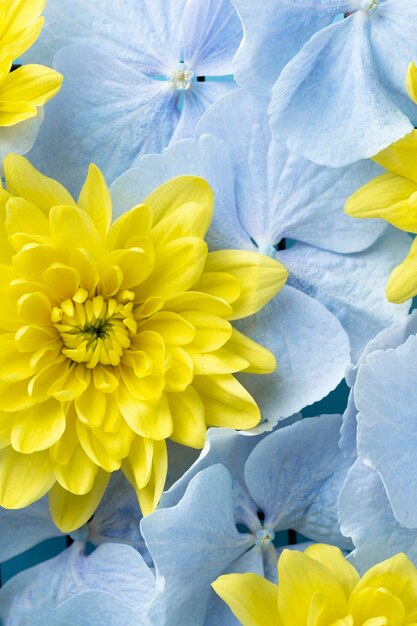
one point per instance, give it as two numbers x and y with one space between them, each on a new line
364 5
181 77
264 537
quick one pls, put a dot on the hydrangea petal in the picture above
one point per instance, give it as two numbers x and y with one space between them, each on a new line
384 393
212 33
281 27
366 516
91 131
208 528
335 63
305 496
362 309
298 379
280 194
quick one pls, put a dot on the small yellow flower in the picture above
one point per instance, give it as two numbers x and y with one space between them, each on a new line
320 588
393 198
115 337
29 86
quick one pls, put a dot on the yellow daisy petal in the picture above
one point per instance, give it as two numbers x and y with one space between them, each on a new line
38 427
24 478
70 511
399 158
95 199
150 495
188 415
333 559
179 191
251 598
411 81
34 84
402 283
12 113
226 402
260 278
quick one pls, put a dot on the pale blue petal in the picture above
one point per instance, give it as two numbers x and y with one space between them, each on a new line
301 496
218 613
106 112
145 34
191 545
311 349
347 441
386 395
280 194
23 529
274 33
209 158
366 516
197 100
117 517
91 608
113 568
212 32
231 449
19 138
312 104
393 41
352 286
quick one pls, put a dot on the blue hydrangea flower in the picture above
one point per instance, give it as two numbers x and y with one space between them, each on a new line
222 516
112 586
377 503
264 196
136 78
342 96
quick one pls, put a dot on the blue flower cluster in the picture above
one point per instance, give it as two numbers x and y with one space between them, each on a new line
279 105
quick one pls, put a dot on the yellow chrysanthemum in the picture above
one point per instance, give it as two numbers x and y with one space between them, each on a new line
115 337
320 588
393 198
29 86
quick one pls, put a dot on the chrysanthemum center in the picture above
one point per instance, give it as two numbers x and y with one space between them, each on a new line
181 77
95 330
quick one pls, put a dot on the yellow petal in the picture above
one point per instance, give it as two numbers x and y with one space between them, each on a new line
34 308
251 598
174 329
150 495
38 427
259 276
6 251
211 331
333 559
21 25
396 575
178 191
6 421
72 227
135 264
137 221
300 578
181 371
34 84
222 361
24 181
138 464
189 220
178 266
24 478
14 365
220 285
399 158
15 396
70 511
62 279
389 197
78 475
152 420
374 603
24 217
227 404
12 113
34 259
197 301
402 283
95 199
188 416
106 449
261 360
411 81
